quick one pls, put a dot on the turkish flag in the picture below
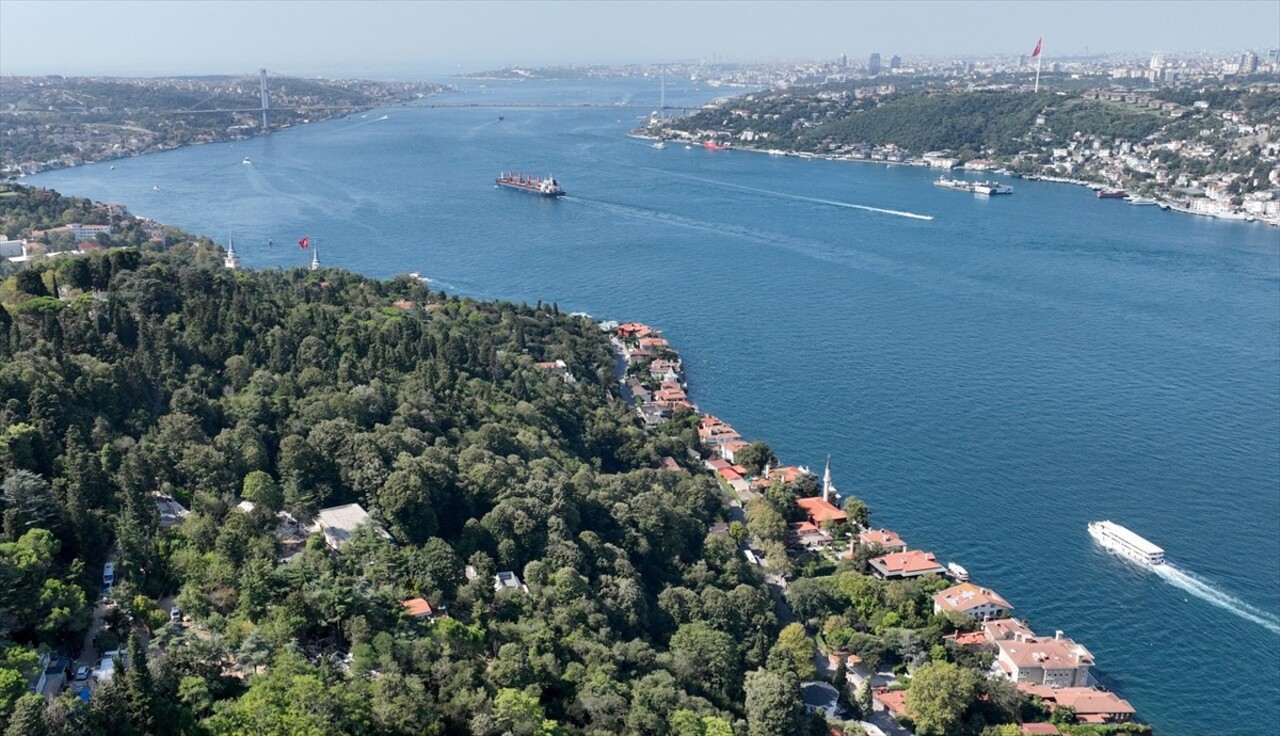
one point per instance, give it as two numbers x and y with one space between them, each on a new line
1036 53
307 241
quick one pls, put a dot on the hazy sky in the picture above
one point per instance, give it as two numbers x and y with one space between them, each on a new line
340 37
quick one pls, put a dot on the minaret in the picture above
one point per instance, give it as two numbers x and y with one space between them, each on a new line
231 260
827 488
315 258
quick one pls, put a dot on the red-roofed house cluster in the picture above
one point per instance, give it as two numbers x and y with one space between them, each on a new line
1055 670
653 373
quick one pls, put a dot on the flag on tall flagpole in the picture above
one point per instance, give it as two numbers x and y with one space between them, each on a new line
304 242
1036 55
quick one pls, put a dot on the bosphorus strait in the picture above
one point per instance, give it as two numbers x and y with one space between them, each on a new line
989 374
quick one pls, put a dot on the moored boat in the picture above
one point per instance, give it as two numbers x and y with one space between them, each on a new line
991 187
976 187
1126 543
547 187
1111 194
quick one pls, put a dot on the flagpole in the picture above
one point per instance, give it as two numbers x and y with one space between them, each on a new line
1039 56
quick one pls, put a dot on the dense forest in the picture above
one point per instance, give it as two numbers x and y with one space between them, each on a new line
136 378
989 122
918 122
302 390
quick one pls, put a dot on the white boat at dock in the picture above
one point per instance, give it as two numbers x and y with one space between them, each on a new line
1126 543
957 572
976 187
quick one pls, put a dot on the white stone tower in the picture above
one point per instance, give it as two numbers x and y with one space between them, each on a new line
232 259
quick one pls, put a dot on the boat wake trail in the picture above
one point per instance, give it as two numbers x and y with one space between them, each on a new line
667 218
816 200
1210 593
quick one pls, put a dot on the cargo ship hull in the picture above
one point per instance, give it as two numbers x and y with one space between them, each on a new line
547 187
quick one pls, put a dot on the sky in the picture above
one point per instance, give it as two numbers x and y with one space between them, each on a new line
380 37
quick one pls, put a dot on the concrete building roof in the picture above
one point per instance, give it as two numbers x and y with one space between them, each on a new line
339 522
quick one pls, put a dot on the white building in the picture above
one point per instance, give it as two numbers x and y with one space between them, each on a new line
971 600
508 580
88 232
1056 662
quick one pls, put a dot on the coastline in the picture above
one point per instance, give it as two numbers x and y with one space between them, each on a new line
661 361
1162 202
19 173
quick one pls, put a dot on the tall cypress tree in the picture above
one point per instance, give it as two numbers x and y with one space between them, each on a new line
139 703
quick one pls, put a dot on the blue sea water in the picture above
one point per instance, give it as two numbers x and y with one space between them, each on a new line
989 380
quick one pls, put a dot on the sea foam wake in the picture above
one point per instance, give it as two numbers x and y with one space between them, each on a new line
1206 591
799 198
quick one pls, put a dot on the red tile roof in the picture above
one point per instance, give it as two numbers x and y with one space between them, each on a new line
966 596
729 474
894 700
886 538
785 474
911 562
417 607
635 329
820 511
1090 704
968 638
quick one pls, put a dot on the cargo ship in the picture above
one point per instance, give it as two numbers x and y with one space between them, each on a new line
547 187
1111 194
713 146
1125 543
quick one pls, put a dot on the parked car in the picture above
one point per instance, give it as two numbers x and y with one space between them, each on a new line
82 673
175 615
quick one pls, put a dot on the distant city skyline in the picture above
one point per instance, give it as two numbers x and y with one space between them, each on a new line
403 38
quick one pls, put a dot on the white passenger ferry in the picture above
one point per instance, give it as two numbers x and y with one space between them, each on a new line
1125 543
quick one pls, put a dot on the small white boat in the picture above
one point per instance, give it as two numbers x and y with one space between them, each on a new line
246 161
660 145
960 574
688 147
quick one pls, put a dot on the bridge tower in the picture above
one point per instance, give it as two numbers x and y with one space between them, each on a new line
262 78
